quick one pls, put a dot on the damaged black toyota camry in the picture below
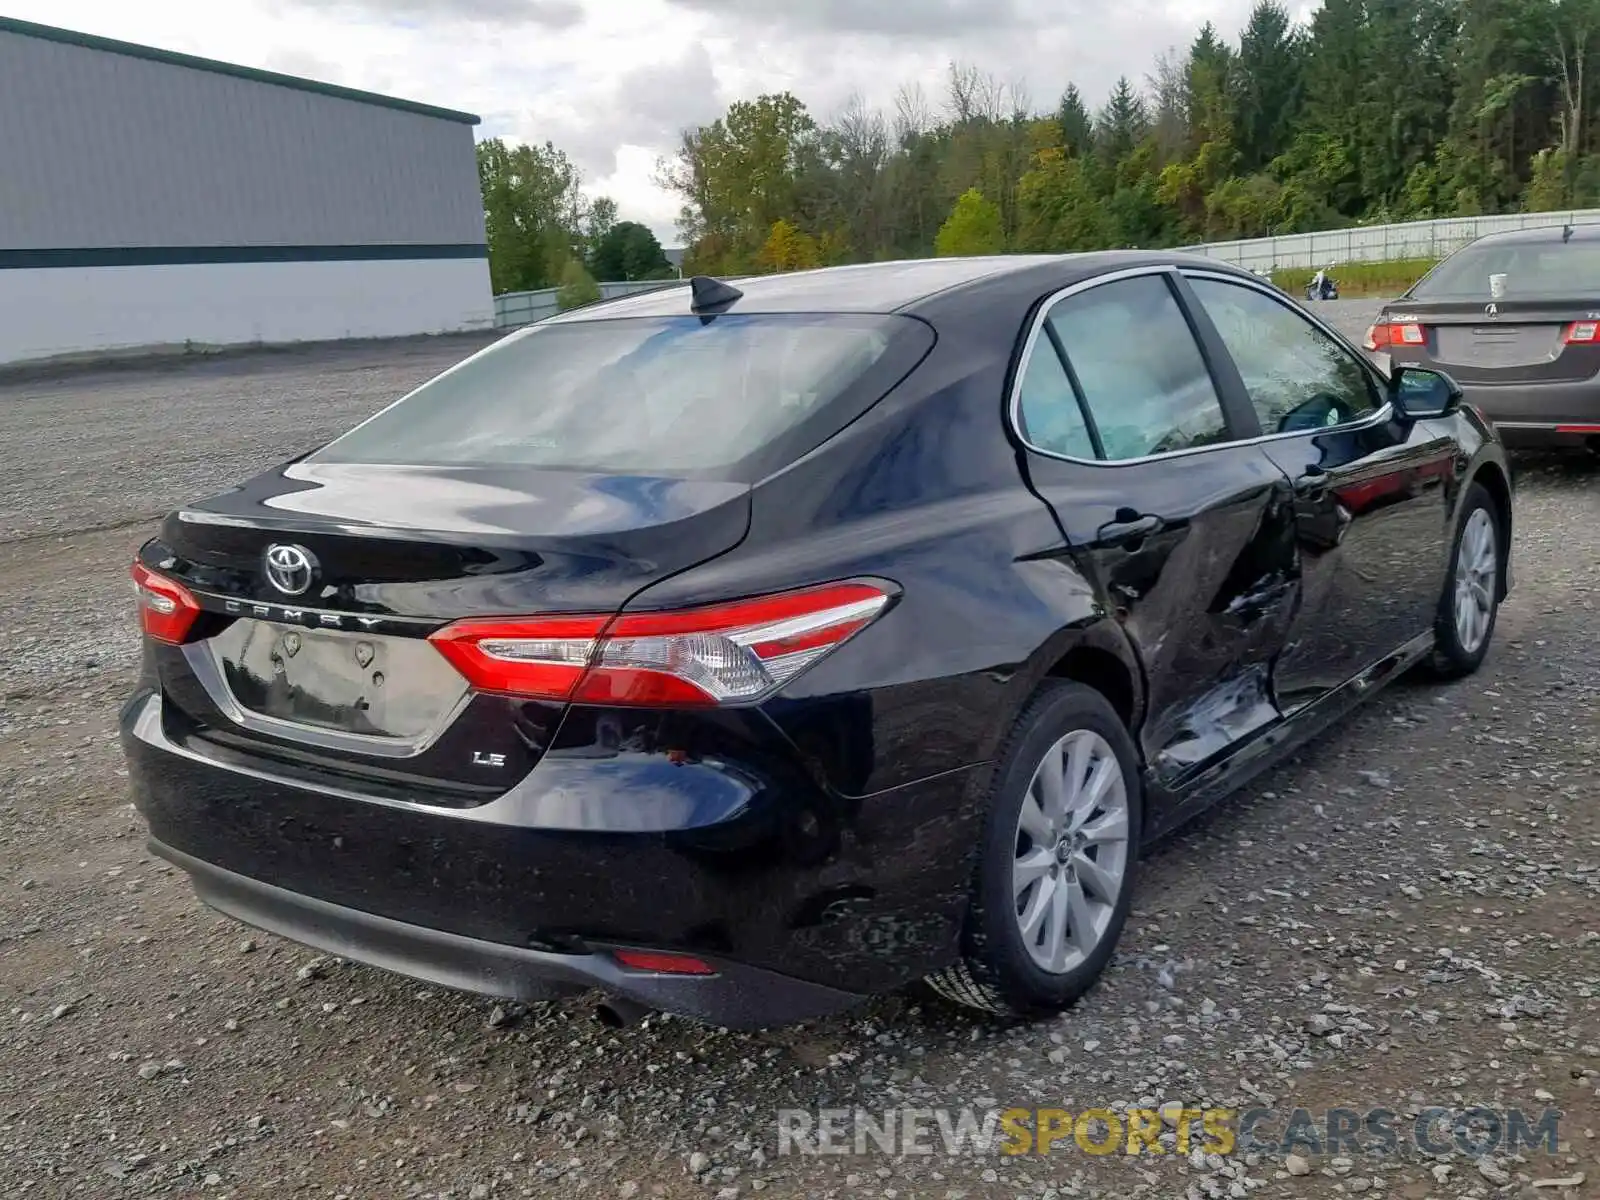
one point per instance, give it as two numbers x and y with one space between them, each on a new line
745 649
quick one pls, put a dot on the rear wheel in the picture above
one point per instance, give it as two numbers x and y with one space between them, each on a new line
1470 604
1056 868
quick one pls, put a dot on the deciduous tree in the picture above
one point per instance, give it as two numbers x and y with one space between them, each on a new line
973 227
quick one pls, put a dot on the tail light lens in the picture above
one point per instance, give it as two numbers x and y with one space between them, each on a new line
721 654
166 609
1582 333
1380 337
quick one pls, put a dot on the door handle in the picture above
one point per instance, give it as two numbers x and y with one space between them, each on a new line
1130 526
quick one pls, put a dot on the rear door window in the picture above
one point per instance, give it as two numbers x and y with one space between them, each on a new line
652 395
1052 418
1138 368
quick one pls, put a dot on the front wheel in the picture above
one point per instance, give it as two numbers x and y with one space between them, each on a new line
1057 863
1470 604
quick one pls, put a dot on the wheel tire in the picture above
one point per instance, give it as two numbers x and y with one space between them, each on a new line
1458 649
997 972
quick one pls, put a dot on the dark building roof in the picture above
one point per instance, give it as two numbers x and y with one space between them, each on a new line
90 41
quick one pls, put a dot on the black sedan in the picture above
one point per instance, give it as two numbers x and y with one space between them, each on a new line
1515 317
743 650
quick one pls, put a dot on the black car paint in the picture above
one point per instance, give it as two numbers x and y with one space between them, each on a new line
825 836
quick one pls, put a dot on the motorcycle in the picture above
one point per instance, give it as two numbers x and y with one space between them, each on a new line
1323 286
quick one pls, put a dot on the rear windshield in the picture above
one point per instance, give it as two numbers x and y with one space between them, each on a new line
1533 271
653 395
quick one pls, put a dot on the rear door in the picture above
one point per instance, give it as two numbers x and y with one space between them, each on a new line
1370 502
1186 529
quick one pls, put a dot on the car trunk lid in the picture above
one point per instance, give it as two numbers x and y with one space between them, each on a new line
1498 342
338 666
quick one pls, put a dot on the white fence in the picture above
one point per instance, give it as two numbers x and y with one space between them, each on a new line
1367 243
1381 243
524 308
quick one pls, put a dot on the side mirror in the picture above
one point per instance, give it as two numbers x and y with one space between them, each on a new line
1421 392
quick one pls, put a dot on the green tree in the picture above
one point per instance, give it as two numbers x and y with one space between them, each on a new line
602 219
1077 125
1061 210
1209 156
577 288
1547 187
629 250
1336 84
740 174
1269 84
1372 110
534 213
788 249
1121 125
973 227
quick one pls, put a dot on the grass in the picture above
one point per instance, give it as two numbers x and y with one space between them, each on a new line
1355 280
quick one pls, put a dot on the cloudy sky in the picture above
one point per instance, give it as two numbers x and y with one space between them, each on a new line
613 81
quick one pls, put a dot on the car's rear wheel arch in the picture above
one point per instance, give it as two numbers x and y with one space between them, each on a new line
1101 669
1494 481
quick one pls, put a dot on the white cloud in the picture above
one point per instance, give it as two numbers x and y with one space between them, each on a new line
614 81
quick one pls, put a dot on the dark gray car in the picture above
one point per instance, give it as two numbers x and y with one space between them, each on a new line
1514 318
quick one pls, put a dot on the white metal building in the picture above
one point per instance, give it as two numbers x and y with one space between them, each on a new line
151 199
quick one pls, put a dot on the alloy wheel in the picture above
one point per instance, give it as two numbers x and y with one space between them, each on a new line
1071 851
1476 565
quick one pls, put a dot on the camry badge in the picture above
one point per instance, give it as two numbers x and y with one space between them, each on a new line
1492 309
290 569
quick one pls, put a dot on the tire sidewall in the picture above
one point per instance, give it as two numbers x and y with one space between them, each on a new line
1448 641
994 938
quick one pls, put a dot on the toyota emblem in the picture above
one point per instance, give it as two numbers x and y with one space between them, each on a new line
290 569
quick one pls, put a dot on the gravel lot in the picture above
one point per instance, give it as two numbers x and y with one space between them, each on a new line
1407 915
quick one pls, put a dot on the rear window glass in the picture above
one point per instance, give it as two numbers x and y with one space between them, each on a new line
1532 271
656 395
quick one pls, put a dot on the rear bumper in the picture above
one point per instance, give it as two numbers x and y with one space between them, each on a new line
737 996
1542 415
803 901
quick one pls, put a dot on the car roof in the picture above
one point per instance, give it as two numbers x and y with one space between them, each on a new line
1543 235
886 287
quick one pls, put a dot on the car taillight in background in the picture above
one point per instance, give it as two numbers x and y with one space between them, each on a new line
166 609
1582 333
1386 334
719 654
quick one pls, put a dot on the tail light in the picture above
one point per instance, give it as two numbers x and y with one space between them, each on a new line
166 609
1380 337
722 654
1582 333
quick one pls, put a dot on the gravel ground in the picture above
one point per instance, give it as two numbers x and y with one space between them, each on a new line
1406 915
